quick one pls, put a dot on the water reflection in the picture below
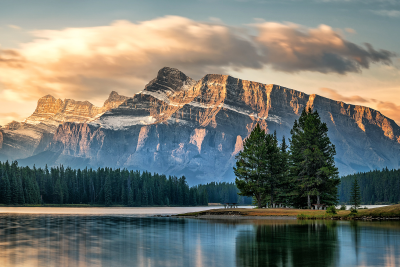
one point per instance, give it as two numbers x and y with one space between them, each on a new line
77 240
90 241
301 244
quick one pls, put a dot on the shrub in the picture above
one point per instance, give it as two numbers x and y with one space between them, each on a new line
343 207
331 210
313 217
353 211
303 217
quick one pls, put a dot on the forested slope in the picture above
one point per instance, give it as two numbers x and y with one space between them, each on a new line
104 186
377 187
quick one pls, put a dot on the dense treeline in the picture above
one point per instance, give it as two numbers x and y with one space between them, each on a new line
104 186
224 193
377 187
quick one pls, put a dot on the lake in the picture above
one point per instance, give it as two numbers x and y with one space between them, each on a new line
131 237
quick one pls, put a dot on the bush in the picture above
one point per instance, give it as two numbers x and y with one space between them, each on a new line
313 217
353 211
331 210
302 216
343 207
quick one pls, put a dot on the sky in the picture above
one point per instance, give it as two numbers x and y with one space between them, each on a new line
347 50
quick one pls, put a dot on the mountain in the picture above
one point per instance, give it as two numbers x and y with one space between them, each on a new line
22 139
180 126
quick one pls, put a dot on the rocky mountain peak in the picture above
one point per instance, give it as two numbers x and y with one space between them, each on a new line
49 104
52 111
170 80
114 100
113 95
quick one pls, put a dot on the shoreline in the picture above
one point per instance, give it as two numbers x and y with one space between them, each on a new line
235 217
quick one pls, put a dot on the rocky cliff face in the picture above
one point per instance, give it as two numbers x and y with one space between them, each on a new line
180 126
51 111
34 134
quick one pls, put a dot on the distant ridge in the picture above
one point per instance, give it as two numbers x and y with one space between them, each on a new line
180 126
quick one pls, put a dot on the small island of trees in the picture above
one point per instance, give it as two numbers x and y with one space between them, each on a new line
294 175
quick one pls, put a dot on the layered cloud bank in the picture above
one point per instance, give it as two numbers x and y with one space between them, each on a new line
124 55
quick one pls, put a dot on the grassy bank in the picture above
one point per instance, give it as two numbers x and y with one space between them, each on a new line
392 212
260 212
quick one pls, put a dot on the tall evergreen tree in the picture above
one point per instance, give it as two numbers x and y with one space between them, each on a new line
312 163
58 192
251 166
285 188
274 170
131 201
260 167
107 191
6 189
355 199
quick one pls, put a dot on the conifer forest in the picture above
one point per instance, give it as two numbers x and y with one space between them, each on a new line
377 187
104 186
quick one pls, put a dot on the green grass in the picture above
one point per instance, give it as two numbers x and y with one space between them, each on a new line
388 211
314 217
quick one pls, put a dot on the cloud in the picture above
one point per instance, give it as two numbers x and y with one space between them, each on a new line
9 116
333 94
15 27
387 13
390 110
10 59
350 30
293 48
123 56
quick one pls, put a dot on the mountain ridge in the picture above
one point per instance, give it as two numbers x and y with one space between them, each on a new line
180 126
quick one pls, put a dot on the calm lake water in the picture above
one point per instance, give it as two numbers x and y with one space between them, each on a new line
135 239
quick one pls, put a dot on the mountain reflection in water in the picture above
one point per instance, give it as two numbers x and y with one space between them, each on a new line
79 240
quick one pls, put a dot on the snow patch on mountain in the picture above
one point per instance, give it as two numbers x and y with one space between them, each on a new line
122 122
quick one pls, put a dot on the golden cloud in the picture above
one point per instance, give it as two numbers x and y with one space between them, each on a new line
124 56
7 117
293 48
390 110
333 94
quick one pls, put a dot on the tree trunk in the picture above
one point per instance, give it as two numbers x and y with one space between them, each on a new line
259 201
308 201
318 200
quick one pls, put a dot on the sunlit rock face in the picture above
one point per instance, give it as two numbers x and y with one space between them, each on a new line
179 126
22 139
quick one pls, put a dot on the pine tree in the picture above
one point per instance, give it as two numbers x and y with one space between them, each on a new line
131 202
274 167
107 191
285 188
251 166
260 167
312 161
58 192
6 189
355 199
